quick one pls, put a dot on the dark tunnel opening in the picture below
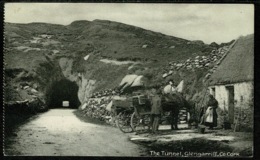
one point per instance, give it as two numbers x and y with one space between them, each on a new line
63 90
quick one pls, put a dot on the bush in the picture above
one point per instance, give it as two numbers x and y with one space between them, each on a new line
246 121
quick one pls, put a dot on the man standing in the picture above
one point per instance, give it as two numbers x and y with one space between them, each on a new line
156 109
170 88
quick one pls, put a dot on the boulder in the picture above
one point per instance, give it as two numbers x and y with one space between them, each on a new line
34 90
198 42
165 75
55 51
33 96
170 72
86 57
145 46
188 66
207 64
207 75
179 65
84 106
26 87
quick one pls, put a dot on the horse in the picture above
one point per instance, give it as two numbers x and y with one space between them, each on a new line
173 103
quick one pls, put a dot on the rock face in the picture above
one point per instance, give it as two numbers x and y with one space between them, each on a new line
66 67
85 89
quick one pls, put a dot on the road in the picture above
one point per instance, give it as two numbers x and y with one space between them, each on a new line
59 132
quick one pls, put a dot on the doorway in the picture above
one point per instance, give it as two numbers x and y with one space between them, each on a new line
231 104
213 91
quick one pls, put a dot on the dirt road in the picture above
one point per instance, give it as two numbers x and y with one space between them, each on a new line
59 132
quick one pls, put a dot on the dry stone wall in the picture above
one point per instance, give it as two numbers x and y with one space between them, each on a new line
209 62
95 107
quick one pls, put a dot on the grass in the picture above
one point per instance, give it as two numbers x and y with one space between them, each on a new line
112 38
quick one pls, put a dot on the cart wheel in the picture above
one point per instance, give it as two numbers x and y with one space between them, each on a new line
140 123
123 122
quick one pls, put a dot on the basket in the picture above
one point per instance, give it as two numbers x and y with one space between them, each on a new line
201 129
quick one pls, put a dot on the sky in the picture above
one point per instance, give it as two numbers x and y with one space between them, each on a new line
207 22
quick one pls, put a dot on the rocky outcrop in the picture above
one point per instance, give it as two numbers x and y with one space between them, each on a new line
66 68
86 87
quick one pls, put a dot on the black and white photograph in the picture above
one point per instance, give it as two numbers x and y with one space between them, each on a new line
128 80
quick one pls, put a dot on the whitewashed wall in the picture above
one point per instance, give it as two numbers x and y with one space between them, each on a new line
244 89
221 96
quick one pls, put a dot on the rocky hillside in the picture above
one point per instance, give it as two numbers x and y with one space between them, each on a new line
56 62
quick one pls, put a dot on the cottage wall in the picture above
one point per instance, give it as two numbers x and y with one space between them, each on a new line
243 94
221 96
243 97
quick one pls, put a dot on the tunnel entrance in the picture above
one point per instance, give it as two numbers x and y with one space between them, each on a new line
63 90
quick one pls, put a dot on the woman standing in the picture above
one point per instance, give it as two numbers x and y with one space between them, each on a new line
211 115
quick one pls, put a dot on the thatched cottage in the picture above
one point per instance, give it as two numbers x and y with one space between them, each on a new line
232 83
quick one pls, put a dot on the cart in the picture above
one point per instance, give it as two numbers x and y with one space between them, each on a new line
140 119
134 114
123 110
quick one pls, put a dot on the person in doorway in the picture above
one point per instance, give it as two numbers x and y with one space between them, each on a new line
156 109
211 113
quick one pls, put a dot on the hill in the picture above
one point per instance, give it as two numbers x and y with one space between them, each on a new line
96 55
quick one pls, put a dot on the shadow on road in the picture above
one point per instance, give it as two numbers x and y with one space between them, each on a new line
86 119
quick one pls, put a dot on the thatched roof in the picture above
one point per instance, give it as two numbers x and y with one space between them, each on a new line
238 66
